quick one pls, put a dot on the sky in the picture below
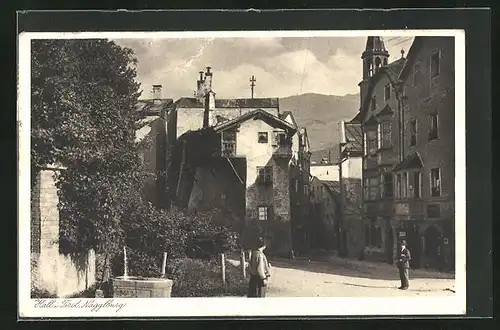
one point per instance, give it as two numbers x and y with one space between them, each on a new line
282 66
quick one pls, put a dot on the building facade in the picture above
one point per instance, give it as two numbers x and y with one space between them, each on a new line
407 115
249 157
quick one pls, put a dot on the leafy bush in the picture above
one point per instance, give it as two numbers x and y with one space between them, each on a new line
200 278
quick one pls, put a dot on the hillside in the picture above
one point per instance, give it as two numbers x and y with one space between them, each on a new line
320 114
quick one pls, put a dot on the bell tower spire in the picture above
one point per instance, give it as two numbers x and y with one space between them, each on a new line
374 56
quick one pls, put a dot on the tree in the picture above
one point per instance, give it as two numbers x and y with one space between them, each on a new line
84 96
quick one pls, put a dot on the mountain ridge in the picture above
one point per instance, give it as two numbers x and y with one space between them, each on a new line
320 114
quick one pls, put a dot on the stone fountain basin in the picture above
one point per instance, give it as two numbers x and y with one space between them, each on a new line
141 287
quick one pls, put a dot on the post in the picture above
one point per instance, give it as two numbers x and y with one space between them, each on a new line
164 265
242 264
223 269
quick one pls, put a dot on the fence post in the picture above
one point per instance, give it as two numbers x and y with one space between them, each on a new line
164 265
242 263
223 269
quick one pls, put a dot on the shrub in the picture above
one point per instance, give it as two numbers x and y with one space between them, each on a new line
200 278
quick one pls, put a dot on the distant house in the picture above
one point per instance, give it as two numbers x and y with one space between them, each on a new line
244 155
324 227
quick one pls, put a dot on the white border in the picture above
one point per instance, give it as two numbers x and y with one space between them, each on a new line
238 307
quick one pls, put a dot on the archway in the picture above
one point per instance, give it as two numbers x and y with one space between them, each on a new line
432 245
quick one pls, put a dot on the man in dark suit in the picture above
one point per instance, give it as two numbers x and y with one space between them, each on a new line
403 263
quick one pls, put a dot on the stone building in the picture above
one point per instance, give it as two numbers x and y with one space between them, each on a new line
425 174
378 116
407 115
244 155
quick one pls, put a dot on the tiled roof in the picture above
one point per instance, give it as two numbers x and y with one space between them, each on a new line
193 102
353 138
411 161
412 53
394 68
149 106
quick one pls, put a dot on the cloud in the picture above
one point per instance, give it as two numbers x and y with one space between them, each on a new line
282 66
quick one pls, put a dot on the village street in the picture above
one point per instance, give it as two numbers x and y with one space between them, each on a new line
351 278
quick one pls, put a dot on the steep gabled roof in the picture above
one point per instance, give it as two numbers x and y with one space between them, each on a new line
193 102
357 119
256 114
412 161
392 71
410 58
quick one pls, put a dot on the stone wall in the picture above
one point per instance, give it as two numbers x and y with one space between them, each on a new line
60 275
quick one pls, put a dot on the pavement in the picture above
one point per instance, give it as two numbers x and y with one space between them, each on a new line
340 277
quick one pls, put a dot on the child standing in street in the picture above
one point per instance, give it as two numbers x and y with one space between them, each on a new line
259 270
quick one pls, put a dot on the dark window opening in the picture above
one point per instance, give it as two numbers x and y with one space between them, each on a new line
263 137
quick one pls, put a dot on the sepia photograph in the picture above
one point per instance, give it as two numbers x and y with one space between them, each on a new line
223 166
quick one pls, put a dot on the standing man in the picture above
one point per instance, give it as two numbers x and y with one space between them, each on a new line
403 263
259 270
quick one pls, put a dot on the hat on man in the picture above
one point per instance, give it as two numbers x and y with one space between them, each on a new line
403 242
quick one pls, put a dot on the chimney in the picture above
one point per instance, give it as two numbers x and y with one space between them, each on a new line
209 107
157 93
208 79
200 86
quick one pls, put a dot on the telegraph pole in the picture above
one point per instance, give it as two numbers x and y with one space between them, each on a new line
252 84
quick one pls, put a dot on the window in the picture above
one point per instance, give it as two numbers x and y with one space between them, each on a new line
371 188
415 187
265 174
398 186
433 126
263 213
296 185
279 138
371 142
387 188
306 189
229 143
404 185
263 137
385 135
435 57
416 72
387 92
373 104
413 132
435 182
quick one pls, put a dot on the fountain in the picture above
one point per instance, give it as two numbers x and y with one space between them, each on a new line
141 287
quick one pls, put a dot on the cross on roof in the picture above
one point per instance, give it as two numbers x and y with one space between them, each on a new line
252 84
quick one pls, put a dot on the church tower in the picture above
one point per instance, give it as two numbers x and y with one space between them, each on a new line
374 57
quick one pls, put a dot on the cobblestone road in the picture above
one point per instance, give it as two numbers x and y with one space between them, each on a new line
351 278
